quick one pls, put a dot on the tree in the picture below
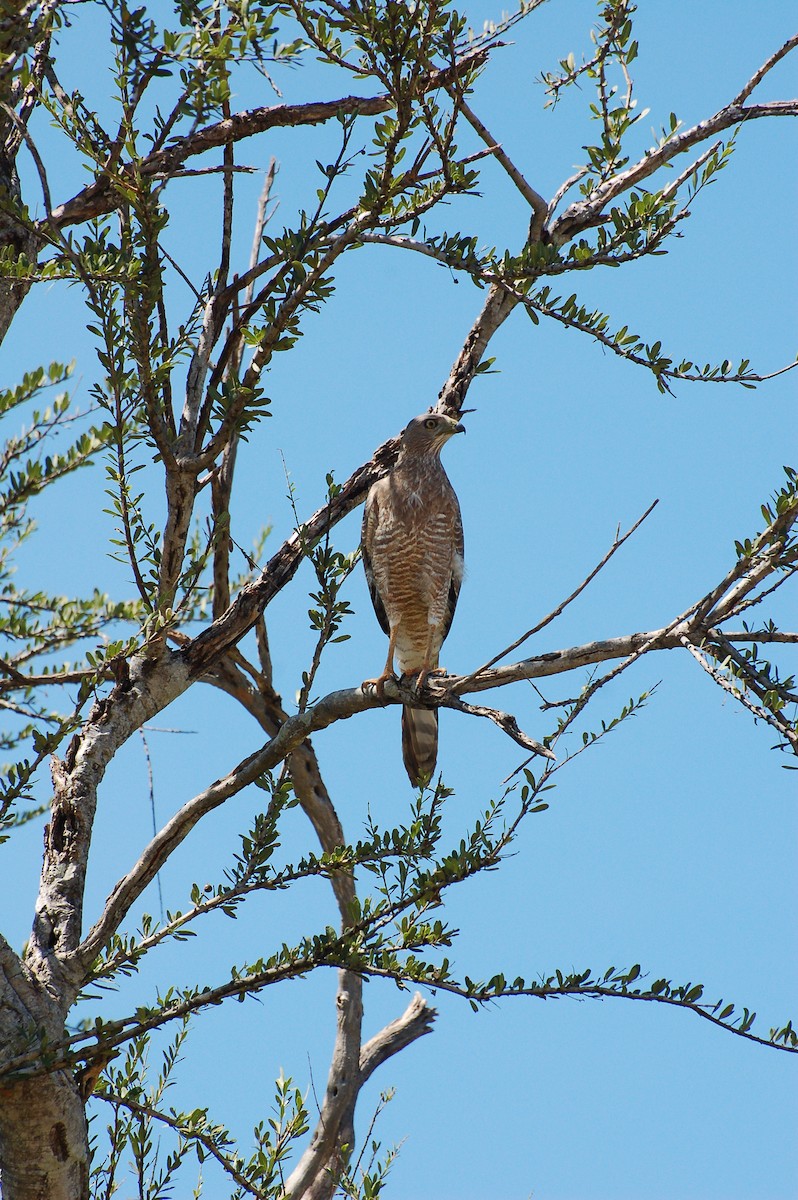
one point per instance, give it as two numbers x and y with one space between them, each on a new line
178 399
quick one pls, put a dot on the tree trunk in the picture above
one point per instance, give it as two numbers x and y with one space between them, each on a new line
22 241
44 1141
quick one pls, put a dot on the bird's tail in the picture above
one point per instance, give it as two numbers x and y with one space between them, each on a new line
419 743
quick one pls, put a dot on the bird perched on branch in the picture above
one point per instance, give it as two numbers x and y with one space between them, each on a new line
412 545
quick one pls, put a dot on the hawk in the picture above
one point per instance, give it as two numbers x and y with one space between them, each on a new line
412 545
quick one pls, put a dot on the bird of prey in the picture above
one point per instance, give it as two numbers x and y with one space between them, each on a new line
412 545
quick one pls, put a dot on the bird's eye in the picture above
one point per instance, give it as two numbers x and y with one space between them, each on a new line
431 423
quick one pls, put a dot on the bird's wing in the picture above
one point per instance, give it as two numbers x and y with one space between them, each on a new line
370 518
458 550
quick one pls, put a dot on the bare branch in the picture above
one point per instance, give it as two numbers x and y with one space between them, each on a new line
343 1085
563 190
495 311
193 172
556 612
414 1022
762 635
533 198
505 721
556 662
768 65
403 241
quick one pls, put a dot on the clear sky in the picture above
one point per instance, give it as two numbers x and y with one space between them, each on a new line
672 844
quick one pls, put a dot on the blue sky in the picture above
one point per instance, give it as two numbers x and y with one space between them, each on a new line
672 844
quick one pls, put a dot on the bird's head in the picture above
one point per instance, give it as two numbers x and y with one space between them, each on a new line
428 433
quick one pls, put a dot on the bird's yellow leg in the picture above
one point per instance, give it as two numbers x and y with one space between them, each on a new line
426 669
388 673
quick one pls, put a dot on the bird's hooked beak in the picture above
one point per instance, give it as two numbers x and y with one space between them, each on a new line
461 428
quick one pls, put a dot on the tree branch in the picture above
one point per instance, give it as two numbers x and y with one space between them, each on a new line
584 214
76 778
721 602
505 721
768 65
101 196
774 719
556 612
227 1162
533 198
580 985
576 985
340 705
495 311
415 1021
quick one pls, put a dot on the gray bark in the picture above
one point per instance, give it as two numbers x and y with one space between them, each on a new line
44 1150
44 1147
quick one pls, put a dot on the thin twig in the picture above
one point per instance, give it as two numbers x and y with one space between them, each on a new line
556 612
226 1162
533 198
768 65
505 721
784 727
34 153
151 783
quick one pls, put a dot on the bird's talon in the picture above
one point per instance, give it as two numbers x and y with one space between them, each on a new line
427 673
378 684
